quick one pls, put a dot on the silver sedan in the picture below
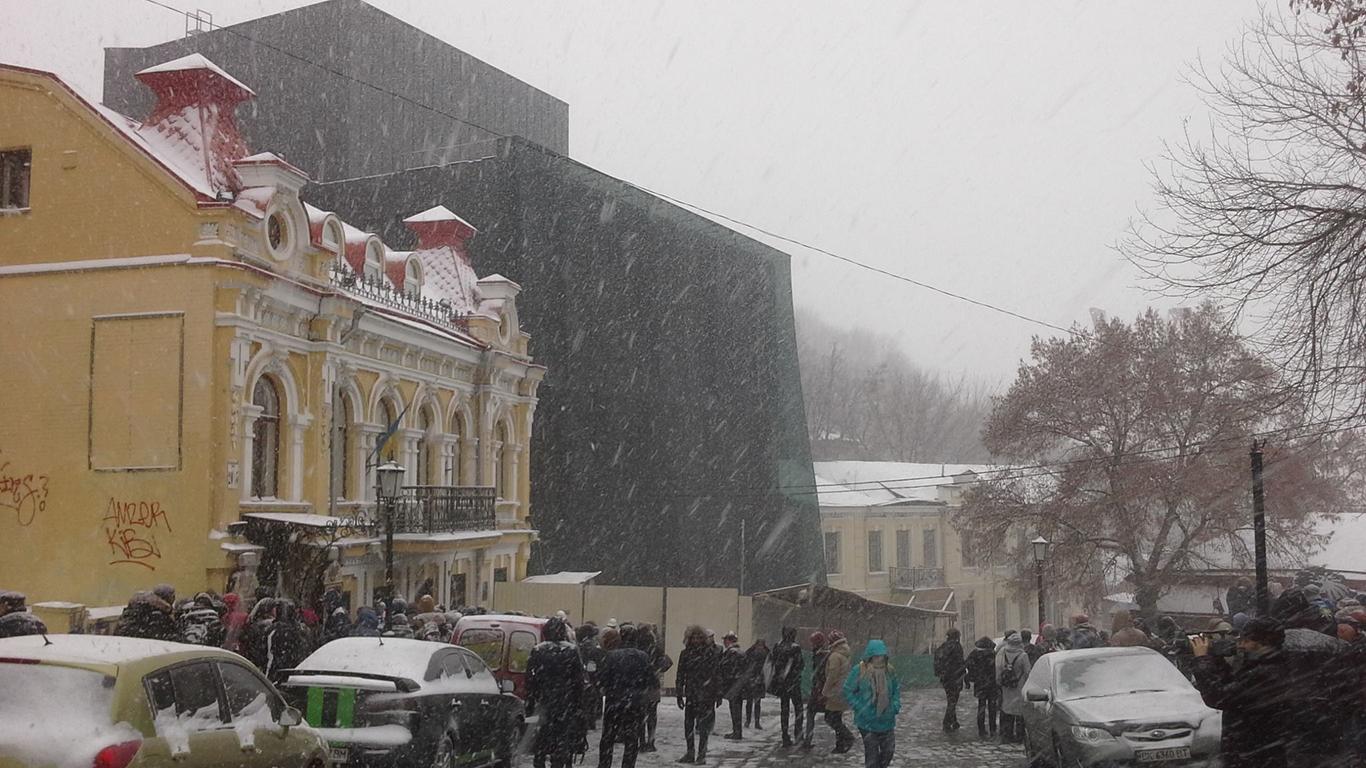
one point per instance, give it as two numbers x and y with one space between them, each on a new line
1115 706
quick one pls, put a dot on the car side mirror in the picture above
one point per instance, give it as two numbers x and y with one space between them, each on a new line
291 717
1037 694
507 686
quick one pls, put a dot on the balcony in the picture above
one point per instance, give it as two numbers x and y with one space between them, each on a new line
444 509
911 579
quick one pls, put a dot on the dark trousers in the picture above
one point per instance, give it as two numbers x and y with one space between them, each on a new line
811 711
790 702
737 709
620 724
951 694
877 748
987 707
843 736
752 711
1012 728
648 723
698 718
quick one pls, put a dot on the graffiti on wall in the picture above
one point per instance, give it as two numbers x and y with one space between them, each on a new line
131 528
24 493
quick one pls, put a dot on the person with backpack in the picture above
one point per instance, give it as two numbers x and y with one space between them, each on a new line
200 624
785 682
948 667
874 693
815 703
981 676
1012 669
836 670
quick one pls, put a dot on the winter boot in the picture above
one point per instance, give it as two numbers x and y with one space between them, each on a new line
688 756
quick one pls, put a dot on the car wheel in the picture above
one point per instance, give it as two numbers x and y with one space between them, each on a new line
444 754
1060 760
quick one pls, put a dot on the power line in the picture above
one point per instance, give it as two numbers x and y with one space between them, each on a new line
846 259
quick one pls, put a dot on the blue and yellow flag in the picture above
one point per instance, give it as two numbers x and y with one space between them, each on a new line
386 436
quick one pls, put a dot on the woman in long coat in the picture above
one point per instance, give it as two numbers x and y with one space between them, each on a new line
1012 669
756 667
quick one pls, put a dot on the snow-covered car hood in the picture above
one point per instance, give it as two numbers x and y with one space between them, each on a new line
1146 707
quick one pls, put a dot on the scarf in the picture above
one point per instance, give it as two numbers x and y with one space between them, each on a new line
877 678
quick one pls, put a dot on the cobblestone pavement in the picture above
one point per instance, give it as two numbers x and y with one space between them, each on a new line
920 743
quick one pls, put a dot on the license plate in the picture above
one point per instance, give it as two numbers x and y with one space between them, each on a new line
1158 755
338 754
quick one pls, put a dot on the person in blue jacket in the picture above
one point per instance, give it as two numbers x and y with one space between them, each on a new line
874 693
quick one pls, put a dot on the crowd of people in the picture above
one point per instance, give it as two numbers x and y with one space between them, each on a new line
1290 682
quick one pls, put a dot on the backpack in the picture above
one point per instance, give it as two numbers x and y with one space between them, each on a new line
1010 678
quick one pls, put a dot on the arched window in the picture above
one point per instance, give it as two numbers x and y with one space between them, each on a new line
424 447
374 262
412 277
265 450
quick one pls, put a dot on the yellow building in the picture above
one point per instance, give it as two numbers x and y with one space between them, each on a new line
199 366
889 536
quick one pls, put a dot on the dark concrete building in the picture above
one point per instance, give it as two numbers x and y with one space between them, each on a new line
332 71
672 415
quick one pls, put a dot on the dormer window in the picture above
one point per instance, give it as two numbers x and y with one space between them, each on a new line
412 278
374 268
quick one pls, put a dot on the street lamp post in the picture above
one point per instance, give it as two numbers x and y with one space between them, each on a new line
389 475
1040 546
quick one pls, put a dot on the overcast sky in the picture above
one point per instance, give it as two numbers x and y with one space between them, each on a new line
993 149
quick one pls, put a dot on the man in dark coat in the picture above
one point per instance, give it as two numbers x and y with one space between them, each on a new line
200 623
554 680
756 683
786 662
148 615
659 664
287 642
981 676
590 650
254 634
949 668
731 672
625 678
367 623
1255 699
698 690
1240 598
815 704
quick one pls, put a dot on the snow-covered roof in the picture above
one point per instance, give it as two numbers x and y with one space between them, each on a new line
563 577
880 483
192 62
446 275
436 214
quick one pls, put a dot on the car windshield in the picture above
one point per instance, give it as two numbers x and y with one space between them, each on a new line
42 707
1116 674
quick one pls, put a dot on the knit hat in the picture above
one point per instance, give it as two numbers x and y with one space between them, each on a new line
817 639
1013 639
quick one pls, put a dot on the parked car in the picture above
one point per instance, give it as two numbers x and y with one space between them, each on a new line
1115 706
393 701
504 642
120 702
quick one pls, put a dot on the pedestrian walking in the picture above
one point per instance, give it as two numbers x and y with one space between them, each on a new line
254 634
660 663
949 668
815 703
698 694
756 681
554 680
785 682
874 692
981 675
1012 669
287 643
624 677
592 653
1083 634
836 670
733 681
1255 698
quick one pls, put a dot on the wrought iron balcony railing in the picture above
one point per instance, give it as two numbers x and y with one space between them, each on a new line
444 509
378 290
916 578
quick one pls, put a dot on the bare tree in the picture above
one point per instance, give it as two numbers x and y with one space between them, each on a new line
1266 213
1132 444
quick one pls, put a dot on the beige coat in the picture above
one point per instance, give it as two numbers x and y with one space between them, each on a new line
836 670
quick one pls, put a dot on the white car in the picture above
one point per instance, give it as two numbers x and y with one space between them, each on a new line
1115 706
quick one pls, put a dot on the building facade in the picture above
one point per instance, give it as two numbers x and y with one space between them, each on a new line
203 370
674 415
889 535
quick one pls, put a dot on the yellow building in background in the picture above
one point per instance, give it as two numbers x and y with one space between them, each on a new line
200 367
890 536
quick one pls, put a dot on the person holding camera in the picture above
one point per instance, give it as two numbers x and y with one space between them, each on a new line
1255 697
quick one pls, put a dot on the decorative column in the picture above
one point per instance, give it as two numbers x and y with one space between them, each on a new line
450 460
408 454
298 428
369 437
250 413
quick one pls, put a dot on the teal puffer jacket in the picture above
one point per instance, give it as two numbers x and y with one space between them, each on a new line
858 690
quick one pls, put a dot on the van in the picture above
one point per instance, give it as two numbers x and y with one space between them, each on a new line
504 642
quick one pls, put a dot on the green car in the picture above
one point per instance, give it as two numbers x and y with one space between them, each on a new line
119 702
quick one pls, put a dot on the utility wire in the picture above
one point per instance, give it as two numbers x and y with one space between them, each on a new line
846 259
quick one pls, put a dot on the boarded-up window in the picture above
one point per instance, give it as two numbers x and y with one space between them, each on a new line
135 392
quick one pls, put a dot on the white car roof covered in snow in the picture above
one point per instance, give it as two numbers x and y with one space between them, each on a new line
95 650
